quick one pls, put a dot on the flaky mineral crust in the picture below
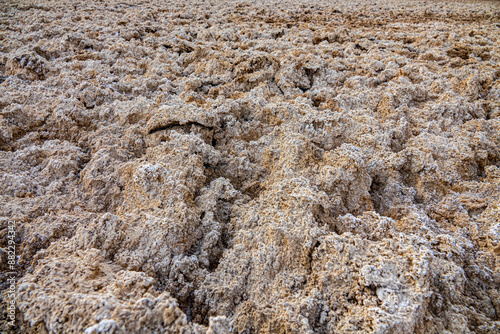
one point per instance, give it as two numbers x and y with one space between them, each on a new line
251 166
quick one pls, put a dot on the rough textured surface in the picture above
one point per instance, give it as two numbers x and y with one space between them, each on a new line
252 167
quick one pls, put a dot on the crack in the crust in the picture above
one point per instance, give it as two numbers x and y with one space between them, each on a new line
310 255
376 189
176 125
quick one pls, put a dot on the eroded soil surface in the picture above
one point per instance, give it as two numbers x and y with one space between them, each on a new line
251 166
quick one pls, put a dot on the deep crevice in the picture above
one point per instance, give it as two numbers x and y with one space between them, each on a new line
310 255
376 188
177 125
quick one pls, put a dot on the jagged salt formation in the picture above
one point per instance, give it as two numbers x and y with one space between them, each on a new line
252 167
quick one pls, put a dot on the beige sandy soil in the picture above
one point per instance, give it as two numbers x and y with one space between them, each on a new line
251 167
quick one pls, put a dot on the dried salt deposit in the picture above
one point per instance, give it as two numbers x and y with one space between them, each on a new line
251 166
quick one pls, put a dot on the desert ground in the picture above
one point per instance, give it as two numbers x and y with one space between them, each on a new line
250 166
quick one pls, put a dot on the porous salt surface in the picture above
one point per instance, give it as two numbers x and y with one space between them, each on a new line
251 166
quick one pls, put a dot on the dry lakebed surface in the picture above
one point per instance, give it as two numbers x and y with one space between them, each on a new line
249 166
